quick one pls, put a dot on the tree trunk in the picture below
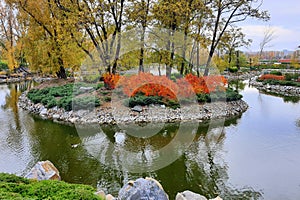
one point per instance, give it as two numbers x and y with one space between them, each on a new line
183 54
206 71
198 60
141 59
61 73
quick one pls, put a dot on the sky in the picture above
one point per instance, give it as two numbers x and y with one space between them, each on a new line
284 22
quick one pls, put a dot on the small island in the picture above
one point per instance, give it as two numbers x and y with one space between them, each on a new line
140 98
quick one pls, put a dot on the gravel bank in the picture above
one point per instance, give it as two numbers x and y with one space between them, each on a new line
276 89
122 114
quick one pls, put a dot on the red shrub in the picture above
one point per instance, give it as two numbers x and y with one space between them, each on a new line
111 80
151 85
271 76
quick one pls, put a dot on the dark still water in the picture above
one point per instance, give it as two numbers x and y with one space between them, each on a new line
255 156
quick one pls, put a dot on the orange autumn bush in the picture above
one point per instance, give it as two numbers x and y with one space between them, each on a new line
111 80
271 76
150 85
202 85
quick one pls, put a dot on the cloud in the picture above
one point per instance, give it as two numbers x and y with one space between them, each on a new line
284 38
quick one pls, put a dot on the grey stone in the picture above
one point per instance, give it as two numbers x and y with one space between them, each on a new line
188 195
44 170
146 189
86 89
44 111
137 108
56 116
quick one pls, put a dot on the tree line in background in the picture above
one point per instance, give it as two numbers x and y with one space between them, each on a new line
53 35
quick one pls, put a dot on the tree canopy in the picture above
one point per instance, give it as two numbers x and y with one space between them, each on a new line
52 35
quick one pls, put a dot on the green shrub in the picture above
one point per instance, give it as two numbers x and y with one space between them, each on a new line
274 72
65 102
232 95
88 102
52 103
202 98
233 69
107 99
175 76
47 99
290 76
143 100
3 66
229 95
91 78
281 82
14 187
172 104
62 96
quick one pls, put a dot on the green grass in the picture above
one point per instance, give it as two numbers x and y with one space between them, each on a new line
18 188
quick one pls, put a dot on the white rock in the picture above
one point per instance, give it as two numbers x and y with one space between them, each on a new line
188 195
120 137
44 111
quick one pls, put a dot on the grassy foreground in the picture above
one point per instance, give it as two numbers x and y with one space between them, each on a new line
18 188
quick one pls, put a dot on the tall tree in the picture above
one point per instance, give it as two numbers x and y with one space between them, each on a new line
101 21
267 38
47 36
139 15
227 13
169 15
232 40
9 34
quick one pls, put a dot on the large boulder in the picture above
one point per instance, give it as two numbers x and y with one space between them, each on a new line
44 170
146 189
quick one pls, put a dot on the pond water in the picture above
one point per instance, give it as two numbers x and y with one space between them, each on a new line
254 156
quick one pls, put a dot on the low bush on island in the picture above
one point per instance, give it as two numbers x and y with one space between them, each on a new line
14 188
146 89
65 96
284 80
140 89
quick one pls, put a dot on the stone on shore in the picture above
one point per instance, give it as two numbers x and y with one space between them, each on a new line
44 170
146 189
137 108
188 195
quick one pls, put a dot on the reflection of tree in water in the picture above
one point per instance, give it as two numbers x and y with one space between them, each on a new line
286 99
201 169
237 85
12 99
205 166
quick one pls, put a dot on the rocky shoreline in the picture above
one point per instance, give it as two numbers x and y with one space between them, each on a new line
290 91
139 114
241 76
141 188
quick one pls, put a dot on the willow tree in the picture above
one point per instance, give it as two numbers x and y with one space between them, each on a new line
226 13
47 41
9 35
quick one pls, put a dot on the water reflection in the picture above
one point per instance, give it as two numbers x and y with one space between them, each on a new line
235 161
287 99
14 142
237 85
